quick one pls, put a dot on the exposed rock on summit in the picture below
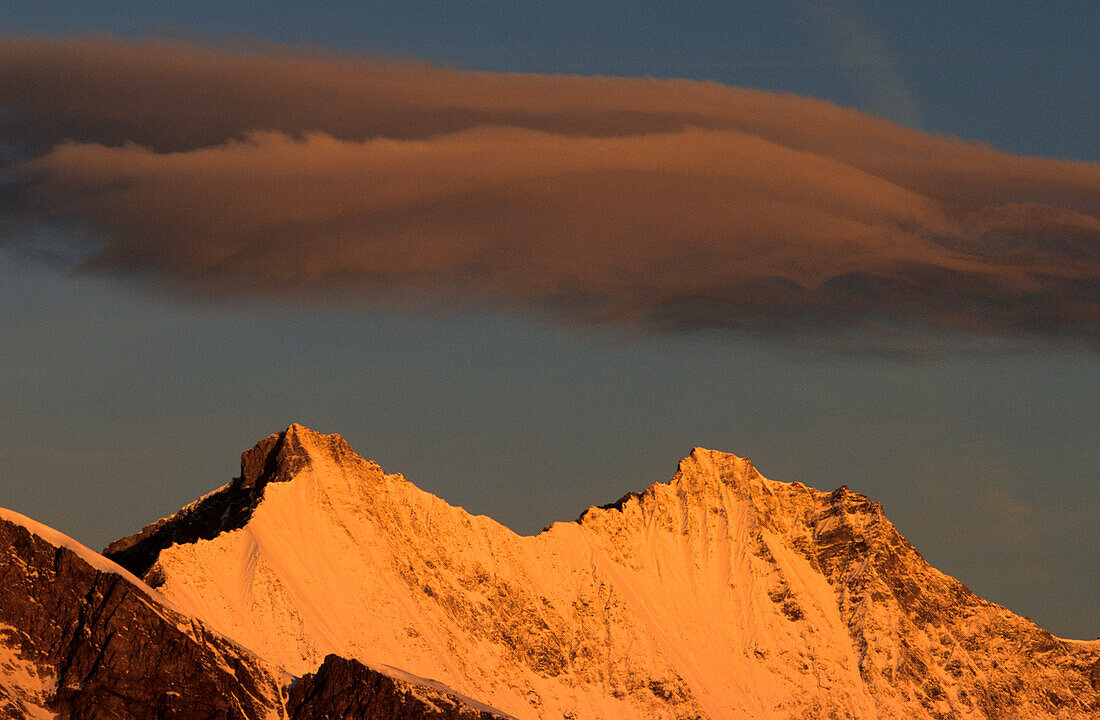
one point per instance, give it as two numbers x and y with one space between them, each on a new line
276 458
720 594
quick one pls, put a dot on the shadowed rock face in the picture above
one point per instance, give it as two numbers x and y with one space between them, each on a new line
81 643
113 650
348 690
276 458
845 618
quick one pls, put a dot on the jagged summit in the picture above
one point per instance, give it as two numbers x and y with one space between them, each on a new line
277 458
700 466
710 465
702 454
280 456
718 594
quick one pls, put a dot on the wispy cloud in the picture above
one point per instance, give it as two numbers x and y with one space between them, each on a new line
862 57
649 203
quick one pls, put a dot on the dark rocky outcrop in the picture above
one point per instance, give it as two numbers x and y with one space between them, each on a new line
114 650
276 458
93 644
348 690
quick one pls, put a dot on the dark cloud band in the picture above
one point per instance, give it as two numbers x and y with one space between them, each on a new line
662 204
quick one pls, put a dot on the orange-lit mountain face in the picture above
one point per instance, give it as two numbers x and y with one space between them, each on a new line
720 594
80 637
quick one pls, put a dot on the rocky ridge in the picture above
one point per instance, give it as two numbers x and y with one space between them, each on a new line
87 642
83 639
720 594
276 458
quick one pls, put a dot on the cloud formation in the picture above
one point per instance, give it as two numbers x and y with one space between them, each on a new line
861 56
649 203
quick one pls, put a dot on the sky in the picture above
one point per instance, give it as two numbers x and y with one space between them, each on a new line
529 257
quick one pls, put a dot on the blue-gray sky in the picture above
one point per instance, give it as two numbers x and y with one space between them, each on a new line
121 401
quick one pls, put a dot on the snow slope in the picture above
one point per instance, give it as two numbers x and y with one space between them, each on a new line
26 686
720 594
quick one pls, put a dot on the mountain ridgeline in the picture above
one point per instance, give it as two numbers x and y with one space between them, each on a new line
317 585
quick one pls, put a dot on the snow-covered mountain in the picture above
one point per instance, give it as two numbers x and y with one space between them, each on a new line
80 637
83 639
720 594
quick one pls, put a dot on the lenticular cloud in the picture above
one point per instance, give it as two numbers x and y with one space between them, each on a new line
637 202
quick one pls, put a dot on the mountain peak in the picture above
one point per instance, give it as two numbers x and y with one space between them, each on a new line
282 455
268 460
716 463
279 457
715 594
703 472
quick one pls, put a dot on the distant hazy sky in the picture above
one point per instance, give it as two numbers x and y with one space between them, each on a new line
120 402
